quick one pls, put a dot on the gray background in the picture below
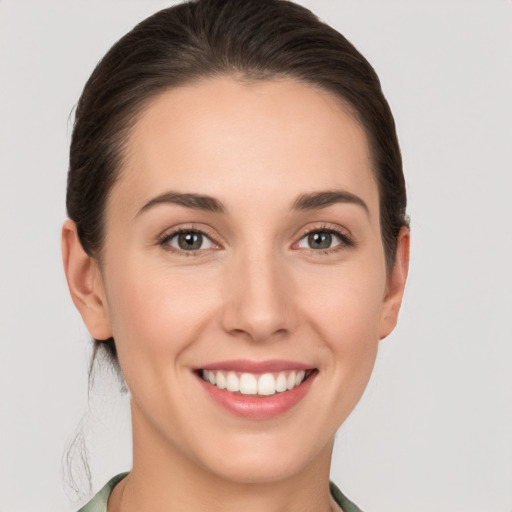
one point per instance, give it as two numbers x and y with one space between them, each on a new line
434 429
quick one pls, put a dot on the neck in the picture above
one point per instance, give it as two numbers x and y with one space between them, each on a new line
163 479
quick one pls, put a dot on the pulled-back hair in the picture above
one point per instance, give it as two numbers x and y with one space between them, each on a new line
247 39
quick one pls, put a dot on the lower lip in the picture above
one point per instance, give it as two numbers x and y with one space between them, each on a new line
258 407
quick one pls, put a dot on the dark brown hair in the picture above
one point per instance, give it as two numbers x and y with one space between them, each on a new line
249 39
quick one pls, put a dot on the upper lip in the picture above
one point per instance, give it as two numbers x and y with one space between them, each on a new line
249 366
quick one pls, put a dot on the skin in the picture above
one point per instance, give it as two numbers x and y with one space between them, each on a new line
257 292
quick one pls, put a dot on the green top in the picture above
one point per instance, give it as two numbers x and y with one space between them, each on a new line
99 502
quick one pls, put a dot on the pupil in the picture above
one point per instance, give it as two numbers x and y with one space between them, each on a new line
190 241
320 240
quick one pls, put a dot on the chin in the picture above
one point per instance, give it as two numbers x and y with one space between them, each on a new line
265 460
259 470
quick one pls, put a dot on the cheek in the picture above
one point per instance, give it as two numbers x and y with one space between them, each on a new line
347 300
156 311
346 311
341 308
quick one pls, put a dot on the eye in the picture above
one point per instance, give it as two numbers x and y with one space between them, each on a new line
189 241
321 240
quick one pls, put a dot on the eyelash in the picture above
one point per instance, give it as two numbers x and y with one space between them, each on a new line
167 237
346 241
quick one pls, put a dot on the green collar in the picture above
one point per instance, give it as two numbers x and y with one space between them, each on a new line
99 502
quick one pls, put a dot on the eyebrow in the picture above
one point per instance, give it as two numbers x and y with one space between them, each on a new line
310 201
195 201
323 199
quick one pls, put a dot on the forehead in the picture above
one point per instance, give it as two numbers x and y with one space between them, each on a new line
276 137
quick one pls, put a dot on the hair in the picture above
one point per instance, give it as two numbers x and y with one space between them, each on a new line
200 39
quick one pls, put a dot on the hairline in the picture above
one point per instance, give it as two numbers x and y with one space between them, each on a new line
131 117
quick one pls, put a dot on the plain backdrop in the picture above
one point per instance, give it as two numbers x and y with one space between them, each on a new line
433 431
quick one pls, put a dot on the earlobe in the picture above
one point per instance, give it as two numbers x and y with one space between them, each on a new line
85 283
396 284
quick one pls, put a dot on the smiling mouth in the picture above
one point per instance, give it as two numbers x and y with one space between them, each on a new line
264 384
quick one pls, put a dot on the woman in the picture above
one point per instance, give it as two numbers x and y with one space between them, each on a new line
238 243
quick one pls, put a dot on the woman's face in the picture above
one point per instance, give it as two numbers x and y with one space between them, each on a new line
244 246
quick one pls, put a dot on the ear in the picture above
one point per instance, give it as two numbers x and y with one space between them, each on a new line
85 283
395 285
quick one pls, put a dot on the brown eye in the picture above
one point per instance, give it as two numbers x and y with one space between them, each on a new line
190 241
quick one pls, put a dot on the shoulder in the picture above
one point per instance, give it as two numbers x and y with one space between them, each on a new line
99 502
342 500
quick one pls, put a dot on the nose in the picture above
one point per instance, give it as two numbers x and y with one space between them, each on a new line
258 300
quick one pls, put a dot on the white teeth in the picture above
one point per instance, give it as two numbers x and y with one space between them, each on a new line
281 382
290 382
248 384
251 384
266 384
232 382
221 380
